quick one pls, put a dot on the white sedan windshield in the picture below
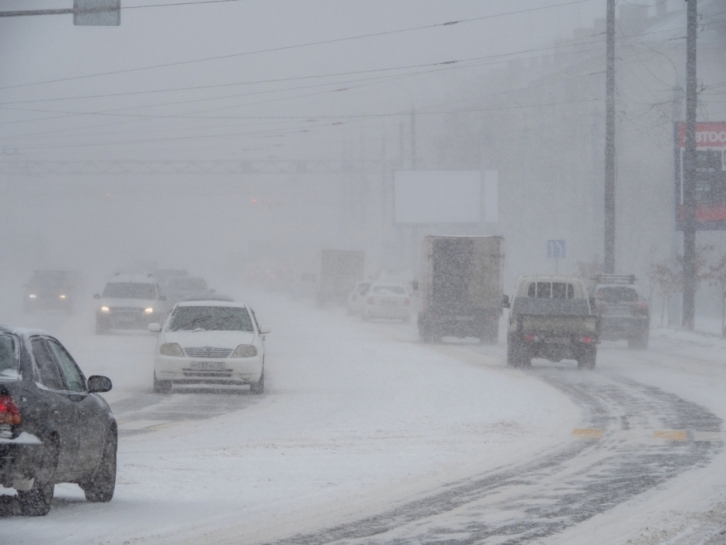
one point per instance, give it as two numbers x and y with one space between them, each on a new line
211 319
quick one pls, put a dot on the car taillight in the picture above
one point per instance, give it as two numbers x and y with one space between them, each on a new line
407 301
9 412
587 340
530 338
371 300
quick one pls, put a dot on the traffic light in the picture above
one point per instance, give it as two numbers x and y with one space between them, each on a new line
97 12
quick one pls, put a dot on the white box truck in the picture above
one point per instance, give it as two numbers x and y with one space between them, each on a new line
461 287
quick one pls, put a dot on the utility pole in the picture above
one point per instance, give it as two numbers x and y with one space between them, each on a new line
85 12
413 139
610 141
689 172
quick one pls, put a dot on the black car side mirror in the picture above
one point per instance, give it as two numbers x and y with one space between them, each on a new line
99 384
505 301
97 296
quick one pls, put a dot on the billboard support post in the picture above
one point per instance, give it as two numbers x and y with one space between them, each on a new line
689 173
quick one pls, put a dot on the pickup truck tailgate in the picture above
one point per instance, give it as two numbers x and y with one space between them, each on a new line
559 325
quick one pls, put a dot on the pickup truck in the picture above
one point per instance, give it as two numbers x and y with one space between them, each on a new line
551 317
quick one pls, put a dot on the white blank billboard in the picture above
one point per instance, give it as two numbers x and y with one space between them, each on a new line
437 196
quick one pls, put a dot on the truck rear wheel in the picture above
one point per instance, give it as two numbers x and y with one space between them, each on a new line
587 360
640 342
518 356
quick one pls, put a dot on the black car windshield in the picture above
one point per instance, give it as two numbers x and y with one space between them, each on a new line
129 290
189 285
211 319
8 361
617 294
49 279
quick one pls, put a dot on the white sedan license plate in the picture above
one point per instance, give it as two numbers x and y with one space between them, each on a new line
208 365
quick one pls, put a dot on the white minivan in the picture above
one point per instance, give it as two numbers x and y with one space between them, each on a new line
129 301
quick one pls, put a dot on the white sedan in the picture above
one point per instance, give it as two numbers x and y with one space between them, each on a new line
387 301
210 343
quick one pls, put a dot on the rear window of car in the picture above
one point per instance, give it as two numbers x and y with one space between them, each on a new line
194 318
617 294
551 290
8 360
187 284
129 290
388 290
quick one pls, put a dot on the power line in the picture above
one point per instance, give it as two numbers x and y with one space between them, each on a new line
290 47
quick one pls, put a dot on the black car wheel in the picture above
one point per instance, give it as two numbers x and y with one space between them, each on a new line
100 486
259 386
162 386
36 501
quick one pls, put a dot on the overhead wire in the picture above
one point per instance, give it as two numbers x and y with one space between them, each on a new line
295 46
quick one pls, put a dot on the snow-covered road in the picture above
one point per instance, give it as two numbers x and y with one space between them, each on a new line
366 435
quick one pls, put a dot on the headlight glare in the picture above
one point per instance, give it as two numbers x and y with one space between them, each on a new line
62 296
32 296
149 310
171 349
245 351
105 309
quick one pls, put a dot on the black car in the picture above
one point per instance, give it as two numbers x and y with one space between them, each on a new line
51 290
624 312
54 427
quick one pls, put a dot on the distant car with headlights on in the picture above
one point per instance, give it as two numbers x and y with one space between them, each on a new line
54 427
387 301
51 290
210 343
130 301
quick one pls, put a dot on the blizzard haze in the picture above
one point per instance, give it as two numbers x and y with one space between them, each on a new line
242 139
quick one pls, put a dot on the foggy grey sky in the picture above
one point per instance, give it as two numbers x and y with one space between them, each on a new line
49 48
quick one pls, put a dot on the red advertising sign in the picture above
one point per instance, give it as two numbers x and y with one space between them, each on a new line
708 135
710 175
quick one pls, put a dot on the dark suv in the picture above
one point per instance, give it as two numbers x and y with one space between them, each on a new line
54 427
624 312
51 290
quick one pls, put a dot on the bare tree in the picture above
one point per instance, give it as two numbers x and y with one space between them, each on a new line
668 279
717 278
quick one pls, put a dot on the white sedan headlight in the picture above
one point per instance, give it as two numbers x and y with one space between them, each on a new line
171 349
105 309
245 351
149 310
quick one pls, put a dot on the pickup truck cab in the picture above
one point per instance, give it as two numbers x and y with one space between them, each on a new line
551 317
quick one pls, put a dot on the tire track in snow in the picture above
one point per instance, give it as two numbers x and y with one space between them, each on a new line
523 503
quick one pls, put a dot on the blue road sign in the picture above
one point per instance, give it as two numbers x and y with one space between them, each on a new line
556 249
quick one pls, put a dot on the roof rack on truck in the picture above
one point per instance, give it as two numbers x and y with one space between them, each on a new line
625 279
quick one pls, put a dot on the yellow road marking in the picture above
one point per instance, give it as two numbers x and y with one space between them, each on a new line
588 433
708 436
671 435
